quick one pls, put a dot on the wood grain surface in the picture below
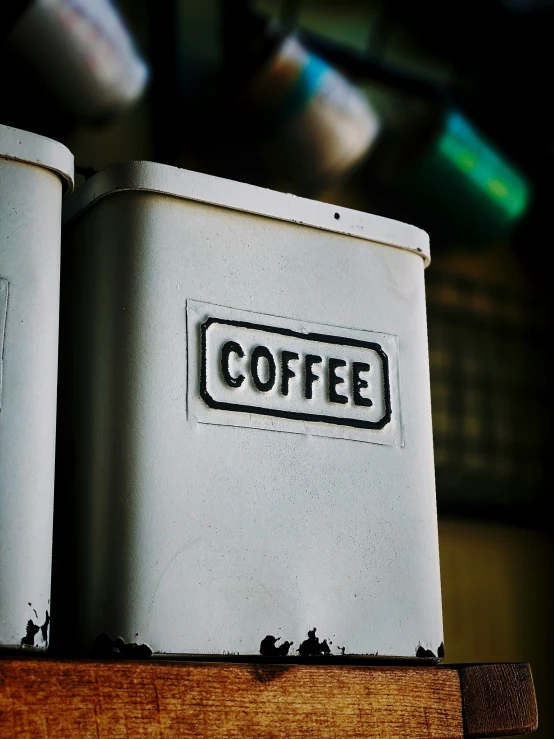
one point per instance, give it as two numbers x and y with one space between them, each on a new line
57 699
498 700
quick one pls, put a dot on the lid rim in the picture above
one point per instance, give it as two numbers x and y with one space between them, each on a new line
40 151
189 185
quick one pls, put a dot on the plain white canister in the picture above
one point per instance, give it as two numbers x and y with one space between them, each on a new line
35 172
217 515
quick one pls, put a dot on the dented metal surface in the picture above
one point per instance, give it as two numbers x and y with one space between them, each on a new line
251 437
32 169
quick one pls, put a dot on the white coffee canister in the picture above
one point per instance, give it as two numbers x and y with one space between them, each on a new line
250 423
35 172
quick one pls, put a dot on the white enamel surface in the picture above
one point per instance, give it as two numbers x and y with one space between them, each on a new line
199 537
28 147
30 221
159 178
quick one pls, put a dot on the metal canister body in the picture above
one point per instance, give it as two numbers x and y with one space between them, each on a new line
250 423
33 174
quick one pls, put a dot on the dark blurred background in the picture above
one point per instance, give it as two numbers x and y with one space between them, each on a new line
433 113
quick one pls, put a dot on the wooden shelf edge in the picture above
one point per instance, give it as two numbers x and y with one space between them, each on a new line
46 698
498 700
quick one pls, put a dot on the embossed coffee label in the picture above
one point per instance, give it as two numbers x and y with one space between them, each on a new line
269 372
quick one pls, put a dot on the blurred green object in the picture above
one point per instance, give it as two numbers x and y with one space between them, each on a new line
473 191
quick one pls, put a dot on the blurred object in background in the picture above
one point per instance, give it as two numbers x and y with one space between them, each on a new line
267 110
490 375
473 191
438 166
315 125
82 53
503 50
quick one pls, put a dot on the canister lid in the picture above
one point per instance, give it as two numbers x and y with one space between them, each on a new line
23 146
182 183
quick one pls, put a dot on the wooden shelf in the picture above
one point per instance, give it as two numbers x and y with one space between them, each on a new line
45 698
